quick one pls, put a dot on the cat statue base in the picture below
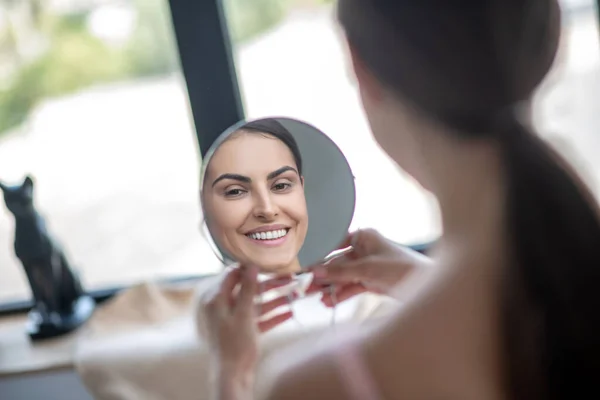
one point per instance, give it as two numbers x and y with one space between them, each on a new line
60 323
60 305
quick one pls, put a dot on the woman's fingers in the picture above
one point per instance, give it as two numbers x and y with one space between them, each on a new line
229 282
346 271
275 283
271 305
224 298
342 294
348 241
315 287
267 325
245 300
218 301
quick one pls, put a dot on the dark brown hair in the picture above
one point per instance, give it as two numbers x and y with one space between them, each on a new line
271 126
468 64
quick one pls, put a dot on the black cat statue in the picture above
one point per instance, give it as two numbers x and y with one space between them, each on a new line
60 303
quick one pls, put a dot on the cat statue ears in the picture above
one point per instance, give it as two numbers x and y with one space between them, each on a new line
27 183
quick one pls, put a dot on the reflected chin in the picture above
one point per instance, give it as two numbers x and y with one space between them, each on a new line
270 256
274 262
289 267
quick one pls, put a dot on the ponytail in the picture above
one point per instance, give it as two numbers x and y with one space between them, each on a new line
551 288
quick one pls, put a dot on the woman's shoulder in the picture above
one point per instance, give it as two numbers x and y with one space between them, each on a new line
316 371
311 376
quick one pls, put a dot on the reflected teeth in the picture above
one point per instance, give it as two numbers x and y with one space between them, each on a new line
270 235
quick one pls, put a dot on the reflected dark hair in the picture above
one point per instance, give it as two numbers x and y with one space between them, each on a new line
272 127
467 64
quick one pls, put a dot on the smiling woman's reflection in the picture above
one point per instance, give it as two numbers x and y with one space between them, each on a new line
253 197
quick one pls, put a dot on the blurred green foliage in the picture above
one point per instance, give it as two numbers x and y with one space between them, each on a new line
75 59
248 18
152 49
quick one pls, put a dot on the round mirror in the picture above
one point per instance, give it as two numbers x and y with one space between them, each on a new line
276 193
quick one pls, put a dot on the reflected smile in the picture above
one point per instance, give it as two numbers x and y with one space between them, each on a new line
269 238
269 235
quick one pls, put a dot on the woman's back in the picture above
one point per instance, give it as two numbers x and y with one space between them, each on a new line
447 88
466 71
442 343
510 308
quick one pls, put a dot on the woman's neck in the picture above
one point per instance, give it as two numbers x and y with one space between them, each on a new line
294 267
467 178
453 319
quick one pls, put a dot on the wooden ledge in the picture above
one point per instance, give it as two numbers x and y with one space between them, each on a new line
20 356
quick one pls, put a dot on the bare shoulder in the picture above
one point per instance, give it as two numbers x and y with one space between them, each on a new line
315 377
311 370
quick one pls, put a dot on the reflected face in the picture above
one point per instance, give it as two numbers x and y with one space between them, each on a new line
254 202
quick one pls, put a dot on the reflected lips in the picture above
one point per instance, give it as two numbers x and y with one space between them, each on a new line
270 242
269 236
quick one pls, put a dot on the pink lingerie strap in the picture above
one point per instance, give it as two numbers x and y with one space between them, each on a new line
354 373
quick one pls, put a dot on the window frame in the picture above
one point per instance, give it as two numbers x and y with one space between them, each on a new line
200 28
215 100
597 3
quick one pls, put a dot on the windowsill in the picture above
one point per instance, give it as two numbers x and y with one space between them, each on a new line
20 356
21 307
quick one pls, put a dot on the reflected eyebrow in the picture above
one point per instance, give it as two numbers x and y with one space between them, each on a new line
234 177
280 171
245 179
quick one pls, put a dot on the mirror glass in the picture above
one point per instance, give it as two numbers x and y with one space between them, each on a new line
276 193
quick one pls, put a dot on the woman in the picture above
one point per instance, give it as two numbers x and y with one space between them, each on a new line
253 197
510 310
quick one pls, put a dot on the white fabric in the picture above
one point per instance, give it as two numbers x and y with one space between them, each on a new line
143 344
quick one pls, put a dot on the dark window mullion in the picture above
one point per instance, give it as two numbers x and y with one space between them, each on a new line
206 59
598 13
207 62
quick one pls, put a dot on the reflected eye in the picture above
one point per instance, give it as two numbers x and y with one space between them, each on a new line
282 186
236 192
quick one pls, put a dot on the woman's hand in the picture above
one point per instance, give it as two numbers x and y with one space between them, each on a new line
233 326
374 264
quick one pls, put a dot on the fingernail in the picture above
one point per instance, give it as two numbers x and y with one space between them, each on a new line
319 273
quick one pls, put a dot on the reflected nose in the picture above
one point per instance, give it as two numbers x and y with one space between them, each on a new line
264 206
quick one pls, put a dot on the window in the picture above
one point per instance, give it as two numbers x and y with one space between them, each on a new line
290 61
567 105
93 104
97 112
